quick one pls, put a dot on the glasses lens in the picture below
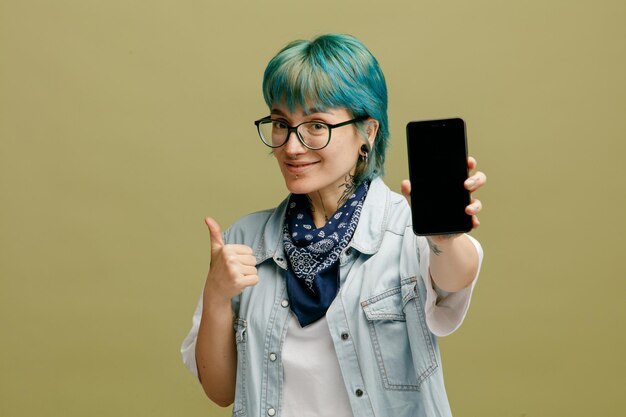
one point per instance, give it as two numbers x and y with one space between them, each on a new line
273 133
314 134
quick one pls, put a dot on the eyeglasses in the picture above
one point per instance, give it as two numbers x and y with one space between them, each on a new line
313 135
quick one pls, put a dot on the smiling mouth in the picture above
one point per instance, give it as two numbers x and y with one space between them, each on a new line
298 168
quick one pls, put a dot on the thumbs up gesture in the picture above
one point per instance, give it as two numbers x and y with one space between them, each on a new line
233 267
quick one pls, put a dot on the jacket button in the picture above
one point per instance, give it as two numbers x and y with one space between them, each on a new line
284 303
271 412
272 357
349 251
345 336
359 393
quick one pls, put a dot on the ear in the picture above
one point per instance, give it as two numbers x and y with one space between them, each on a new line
371 130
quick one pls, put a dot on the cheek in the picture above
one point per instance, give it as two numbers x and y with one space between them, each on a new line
346 146
341 162
346 154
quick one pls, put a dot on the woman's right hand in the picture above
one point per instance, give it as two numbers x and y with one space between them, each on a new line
233 267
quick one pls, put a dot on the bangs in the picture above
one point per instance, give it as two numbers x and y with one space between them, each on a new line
311 78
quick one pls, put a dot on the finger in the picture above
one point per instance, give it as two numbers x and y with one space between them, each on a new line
471 162
405 187
249 280
475 222
216 234
475 181
247 270
238 256
240 249
247 260
474 208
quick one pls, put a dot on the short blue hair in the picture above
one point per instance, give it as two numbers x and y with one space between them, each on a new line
332 71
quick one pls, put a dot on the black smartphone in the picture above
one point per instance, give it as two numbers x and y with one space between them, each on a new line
437 152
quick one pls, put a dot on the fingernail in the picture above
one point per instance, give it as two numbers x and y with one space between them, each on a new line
470 182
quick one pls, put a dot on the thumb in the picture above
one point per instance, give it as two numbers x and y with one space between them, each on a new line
405 186
216 234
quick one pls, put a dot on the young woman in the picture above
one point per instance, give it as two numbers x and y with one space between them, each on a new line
329 304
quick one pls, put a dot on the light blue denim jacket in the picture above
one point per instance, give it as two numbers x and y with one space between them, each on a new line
389 358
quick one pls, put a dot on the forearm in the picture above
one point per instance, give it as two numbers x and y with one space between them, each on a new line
216 352
453 262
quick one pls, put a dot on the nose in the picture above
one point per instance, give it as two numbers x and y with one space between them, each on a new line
293 145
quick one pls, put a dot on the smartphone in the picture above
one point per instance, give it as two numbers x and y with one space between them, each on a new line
437 151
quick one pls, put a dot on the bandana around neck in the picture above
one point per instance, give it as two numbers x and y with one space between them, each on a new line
313 254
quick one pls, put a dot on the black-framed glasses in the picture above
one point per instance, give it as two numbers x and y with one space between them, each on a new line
313 135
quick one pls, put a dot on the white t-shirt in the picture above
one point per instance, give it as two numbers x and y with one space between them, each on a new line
313 385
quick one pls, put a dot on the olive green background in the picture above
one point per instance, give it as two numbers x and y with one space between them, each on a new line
124 123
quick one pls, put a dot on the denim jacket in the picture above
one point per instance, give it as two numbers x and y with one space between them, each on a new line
383 329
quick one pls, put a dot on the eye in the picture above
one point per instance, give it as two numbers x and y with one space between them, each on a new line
318 126
279 124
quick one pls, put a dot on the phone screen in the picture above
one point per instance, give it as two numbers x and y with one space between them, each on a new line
437 151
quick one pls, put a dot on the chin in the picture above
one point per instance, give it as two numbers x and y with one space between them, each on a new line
300 185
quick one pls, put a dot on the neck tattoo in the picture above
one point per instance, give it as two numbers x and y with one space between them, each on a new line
349 189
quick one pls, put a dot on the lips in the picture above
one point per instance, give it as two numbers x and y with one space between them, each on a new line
299 167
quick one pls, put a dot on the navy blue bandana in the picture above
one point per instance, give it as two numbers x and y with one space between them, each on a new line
313 254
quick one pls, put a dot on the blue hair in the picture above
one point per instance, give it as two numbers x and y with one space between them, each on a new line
332 71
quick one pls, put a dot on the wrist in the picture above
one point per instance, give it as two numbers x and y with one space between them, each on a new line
441 243
213 299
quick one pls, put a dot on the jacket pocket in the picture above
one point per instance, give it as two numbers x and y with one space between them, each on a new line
239 407
403 355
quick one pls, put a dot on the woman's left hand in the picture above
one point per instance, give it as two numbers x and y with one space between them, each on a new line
473 183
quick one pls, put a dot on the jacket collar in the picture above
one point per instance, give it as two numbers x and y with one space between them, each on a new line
367 236
374 218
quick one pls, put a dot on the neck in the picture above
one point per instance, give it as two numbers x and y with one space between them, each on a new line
322 207
324 203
